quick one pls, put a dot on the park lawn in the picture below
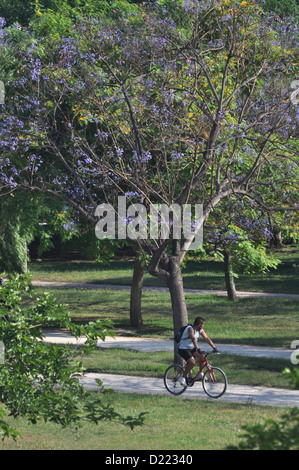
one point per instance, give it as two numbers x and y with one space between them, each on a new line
211 426
259 321
207 274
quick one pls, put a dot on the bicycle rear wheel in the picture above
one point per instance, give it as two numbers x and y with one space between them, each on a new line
214 382
171 379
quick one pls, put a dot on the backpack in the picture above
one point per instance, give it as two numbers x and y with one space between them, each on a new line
179 334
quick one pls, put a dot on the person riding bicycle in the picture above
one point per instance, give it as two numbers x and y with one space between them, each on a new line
188 347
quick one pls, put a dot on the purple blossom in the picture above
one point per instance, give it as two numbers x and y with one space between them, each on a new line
177 155
132 194
104 136
70 226
145 158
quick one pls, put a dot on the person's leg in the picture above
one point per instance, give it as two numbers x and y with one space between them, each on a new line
200 356
201 359
187 355
189 366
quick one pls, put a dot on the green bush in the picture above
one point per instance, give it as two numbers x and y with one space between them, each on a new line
272 435
41 381
293 377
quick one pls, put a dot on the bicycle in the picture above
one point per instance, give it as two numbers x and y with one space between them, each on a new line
214 381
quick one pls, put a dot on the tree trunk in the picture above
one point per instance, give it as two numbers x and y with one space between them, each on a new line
25 264
168 269
276 241
229 278
178 301
136 293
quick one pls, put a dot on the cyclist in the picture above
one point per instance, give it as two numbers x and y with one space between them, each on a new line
188 347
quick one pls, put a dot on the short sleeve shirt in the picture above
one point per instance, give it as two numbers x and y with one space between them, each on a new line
186 342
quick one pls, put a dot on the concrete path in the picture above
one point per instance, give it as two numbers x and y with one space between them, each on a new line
219 293
234 394
60 336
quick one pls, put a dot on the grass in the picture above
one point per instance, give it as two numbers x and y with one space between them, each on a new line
208 274
171 424
263 322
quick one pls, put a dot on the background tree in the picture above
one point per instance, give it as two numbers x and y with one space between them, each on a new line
24 219
13 247
239 236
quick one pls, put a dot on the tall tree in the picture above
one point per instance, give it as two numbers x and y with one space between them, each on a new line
169 106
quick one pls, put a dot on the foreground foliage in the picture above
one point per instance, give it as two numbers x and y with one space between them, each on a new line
272 435
39 381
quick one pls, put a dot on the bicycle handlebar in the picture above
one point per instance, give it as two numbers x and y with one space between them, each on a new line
206 353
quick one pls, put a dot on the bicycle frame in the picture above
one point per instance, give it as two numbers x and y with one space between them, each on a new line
205 363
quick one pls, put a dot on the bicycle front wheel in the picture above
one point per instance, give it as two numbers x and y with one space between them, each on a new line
171 379
214 382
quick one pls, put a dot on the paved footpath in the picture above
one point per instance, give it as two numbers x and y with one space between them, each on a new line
152 345
219 293
145 385
235 393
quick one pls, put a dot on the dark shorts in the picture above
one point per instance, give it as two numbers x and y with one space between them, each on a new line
188 353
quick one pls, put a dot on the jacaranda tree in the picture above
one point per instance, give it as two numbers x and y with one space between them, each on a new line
181 102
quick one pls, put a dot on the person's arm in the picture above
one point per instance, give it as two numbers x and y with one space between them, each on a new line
207 339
